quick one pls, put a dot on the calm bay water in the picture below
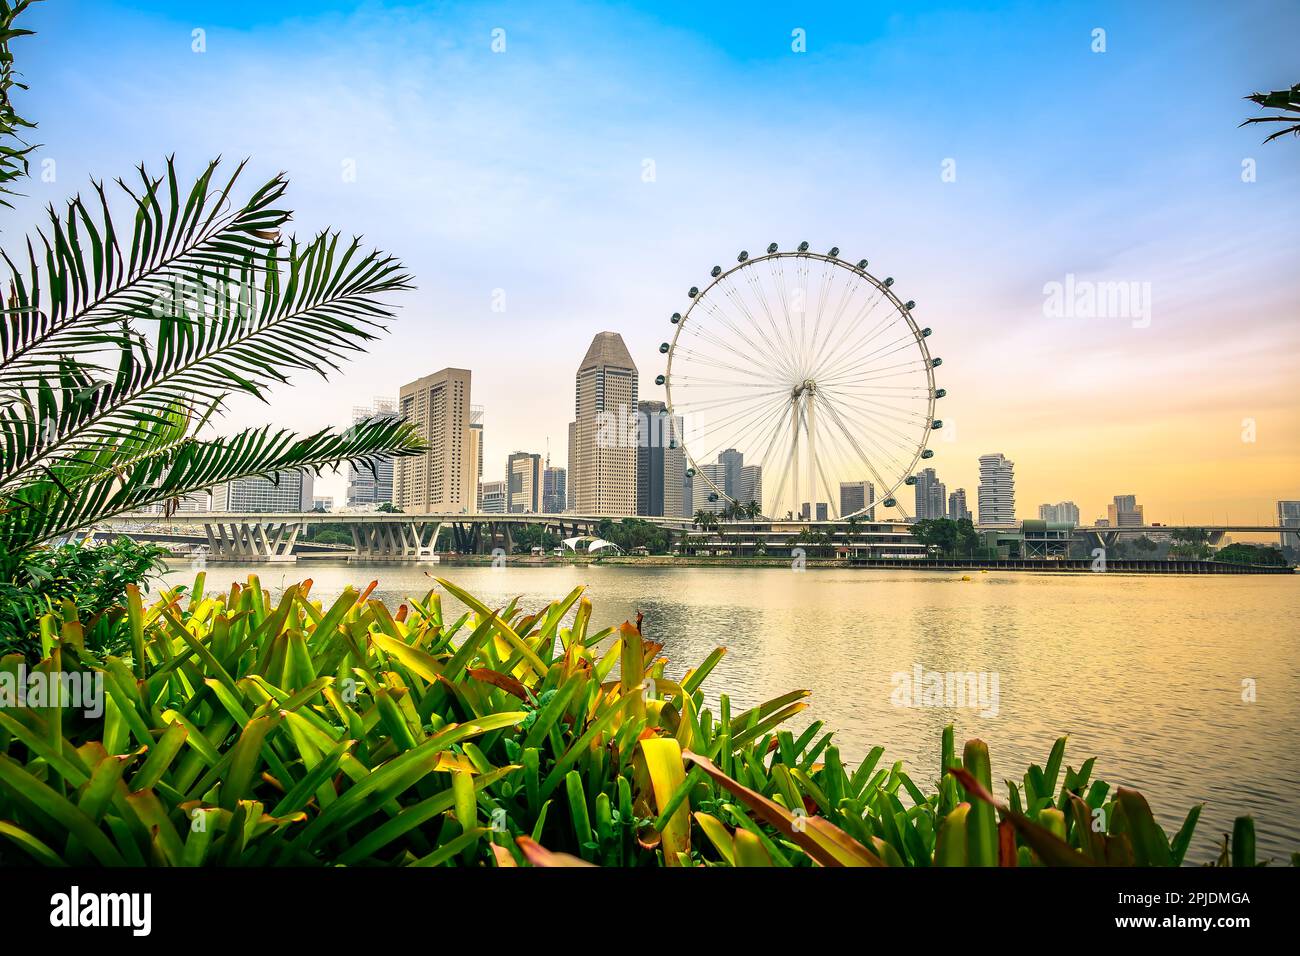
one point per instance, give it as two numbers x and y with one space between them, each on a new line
1145 673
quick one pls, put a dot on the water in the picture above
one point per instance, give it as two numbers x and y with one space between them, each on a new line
1145 673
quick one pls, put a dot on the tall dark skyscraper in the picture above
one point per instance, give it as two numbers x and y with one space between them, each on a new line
660 462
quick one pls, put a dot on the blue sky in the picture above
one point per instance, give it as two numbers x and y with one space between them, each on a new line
523 171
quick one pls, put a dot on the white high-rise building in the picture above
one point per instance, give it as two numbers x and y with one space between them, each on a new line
997 491
603 435
1064 512
291 491
1288 516
364 486
443 479
715 472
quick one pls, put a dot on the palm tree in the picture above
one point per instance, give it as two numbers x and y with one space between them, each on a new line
118 347
1288 100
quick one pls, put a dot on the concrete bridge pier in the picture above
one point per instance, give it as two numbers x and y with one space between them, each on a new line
252 542
394 540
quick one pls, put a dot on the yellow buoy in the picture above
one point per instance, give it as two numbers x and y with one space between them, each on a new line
965 577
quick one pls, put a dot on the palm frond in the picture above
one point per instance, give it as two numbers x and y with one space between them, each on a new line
14 149
76 284
1288 100
111 481
315 305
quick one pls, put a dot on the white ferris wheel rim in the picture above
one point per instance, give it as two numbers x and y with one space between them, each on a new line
902 310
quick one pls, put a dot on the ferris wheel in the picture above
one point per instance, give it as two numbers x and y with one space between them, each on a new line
810 367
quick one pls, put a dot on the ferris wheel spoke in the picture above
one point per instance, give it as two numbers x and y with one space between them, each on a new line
866 362
756 287
832 345
731 420
856 352
866 460
733 293
879 433
714 363
712 404
770 359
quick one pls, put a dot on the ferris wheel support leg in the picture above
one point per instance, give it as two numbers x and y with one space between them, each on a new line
812 457
794 452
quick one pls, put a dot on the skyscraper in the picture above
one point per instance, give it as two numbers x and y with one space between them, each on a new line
958 510
492 497
931 496
750 486
443 478
291 491
1288 516
716 473
366 487
476 448
660 461
554 494
856 495
997 491
1125 512
603 436
524 477
731 461
1064 512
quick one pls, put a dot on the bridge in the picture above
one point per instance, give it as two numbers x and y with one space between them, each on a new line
253 537
1105 536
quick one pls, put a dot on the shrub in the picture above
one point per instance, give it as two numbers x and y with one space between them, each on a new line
239 731
92 578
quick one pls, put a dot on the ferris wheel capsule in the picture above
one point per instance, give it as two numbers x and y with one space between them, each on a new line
936 362
659 379
889 281
803 247
676 317
862 263
834 253
664 347
771 248
715 271
910 480
937 423
713 496
909 305
925 333
927 454
743 256
940 392
694 292
690 472
890 502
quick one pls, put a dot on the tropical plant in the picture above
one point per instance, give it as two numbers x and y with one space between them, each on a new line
93 578
13 148
120 342
705 520
1287 100
239 730
1241 553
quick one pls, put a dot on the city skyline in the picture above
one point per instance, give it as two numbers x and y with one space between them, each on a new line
519 261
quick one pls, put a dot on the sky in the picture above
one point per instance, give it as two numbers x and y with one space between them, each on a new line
977 152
